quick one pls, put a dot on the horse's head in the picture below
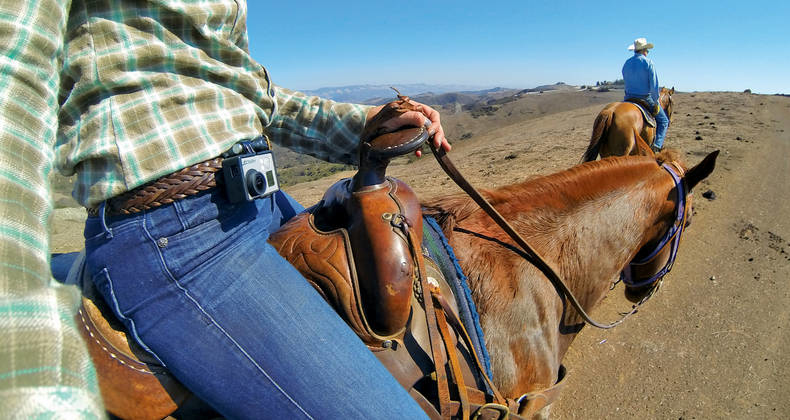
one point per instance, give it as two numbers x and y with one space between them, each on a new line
657 254
665 99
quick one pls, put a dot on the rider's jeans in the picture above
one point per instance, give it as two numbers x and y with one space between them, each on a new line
197 284
662 123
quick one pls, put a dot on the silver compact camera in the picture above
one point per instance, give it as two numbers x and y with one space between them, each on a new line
251 174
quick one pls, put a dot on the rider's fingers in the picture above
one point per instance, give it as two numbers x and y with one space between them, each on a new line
418 116
406 119
436 129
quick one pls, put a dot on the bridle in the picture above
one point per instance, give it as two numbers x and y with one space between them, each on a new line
544 266
670 241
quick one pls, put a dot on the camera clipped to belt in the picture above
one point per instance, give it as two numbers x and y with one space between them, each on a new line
248 171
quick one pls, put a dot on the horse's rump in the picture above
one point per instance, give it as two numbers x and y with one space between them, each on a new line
619 129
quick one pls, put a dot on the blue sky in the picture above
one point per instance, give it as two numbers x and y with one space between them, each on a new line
699 45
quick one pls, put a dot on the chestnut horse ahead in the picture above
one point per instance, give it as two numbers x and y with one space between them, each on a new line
621 130
588 223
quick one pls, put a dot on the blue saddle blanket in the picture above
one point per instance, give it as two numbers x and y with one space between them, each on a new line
440 251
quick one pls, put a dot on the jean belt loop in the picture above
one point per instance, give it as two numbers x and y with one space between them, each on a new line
103 218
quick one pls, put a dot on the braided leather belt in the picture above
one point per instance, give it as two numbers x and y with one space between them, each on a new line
166 190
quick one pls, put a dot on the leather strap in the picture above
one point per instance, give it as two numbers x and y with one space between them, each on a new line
443 387
459 328
480 409
532 402
455 367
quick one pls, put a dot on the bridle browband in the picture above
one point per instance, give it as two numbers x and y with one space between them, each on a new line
531 255
671 238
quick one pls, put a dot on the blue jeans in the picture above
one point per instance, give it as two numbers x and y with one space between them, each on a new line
662 123
197 285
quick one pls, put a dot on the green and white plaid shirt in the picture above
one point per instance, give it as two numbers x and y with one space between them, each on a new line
120 92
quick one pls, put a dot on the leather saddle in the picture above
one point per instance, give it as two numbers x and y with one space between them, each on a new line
647 110
360 247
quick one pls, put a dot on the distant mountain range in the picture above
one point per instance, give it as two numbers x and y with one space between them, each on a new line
366 93
432 94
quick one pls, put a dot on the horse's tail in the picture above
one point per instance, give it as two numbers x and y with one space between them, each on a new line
600 127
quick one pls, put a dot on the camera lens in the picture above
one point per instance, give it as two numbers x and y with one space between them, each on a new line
256 183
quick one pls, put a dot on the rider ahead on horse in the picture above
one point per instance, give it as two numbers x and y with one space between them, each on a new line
125 93
641 82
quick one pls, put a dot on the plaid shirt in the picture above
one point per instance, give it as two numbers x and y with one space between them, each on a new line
120 92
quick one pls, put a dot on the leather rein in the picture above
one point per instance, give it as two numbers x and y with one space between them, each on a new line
535 258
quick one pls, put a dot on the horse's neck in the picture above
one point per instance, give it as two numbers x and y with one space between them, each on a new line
598 239
588 223
664 100
589 245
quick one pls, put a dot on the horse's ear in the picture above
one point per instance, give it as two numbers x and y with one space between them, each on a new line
701 171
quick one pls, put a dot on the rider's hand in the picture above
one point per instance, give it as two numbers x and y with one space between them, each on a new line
416 116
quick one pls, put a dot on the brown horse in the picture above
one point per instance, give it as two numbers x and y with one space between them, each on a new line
620 129
588 222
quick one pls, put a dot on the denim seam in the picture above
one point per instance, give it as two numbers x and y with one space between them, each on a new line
132 326
216 324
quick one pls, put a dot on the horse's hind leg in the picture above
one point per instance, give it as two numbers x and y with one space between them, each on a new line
642 145
617 145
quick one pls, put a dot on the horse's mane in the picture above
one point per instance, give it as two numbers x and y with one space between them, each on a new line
670 155
550 191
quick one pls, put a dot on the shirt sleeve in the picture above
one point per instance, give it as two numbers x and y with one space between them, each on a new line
319 127
653 78
45 369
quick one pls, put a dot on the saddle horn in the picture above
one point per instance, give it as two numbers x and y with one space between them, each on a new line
376 154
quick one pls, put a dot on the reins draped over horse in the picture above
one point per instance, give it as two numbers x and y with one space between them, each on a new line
620 129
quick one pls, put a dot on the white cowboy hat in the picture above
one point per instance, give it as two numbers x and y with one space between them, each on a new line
640 44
